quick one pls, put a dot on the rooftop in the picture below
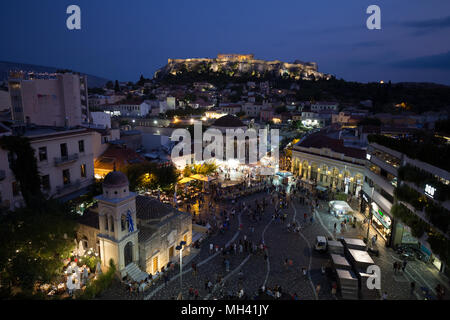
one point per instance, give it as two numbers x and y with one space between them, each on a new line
320 140
228 121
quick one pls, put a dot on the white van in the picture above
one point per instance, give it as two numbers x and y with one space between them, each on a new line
321 243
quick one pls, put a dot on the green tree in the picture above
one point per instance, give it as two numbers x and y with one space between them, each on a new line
116 86
24 166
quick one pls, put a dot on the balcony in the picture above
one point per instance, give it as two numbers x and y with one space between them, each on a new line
66 159
2 175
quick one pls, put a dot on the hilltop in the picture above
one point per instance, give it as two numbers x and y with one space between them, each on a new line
5 67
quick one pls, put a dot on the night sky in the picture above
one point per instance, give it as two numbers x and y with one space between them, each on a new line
122 39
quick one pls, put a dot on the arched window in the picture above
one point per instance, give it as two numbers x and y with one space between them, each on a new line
106 223
112 223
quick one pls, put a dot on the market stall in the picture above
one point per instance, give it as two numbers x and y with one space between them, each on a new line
340 209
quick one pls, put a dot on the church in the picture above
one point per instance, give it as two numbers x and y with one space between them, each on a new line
137 232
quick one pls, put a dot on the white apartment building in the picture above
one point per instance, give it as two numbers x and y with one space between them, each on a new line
61 100
64 158
101 119
128 109
324 105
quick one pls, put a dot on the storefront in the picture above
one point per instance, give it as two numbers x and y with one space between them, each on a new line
381 221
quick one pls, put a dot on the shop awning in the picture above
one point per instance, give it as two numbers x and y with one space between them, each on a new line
185 180
202 177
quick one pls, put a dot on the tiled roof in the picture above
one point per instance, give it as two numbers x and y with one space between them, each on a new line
90 219
320 140
119 155
148 208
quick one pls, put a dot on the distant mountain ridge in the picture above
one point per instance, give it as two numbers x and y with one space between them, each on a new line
6 66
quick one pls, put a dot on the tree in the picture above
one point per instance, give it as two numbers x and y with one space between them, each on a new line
35 240
148 175
116 86
24 166
109 85
37 237
141 81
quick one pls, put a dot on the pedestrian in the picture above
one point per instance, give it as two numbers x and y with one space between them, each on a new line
196 294
194 269
318 289
210 286
395 267
384 296
304 271
191 292
333 288
211 248
404 265
413 286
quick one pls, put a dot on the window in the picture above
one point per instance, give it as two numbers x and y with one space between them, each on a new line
15 188
66 177
106 223
123 222
83 170
81 146
64 150
45 182
42 153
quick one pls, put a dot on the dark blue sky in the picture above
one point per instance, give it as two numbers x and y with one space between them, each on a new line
121 39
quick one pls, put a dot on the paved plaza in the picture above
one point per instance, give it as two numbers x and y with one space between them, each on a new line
249 271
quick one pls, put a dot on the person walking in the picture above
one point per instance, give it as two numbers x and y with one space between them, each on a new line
404 265
413 287
318 289
196 294
384 296
395 267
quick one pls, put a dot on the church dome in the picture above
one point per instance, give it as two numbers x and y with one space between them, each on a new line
229 121
115 179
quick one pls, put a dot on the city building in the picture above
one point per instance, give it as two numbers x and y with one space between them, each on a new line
64 158
128 109
324 105
401 179
323 160
60 100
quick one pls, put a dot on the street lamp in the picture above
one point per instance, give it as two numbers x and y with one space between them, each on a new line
180 248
